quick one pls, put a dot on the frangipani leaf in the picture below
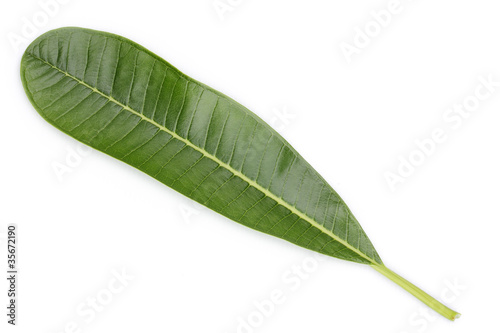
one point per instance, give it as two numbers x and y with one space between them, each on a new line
117 97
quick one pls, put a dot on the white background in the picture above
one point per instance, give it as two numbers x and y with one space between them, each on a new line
195 271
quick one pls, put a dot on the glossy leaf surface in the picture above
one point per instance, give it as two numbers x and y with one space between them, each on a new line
121 99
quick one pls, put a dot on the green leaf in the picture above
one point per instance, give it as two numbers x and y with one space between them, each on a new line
114 95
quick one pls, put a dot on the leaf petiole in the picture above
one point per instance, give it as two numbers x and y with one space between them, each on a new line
418 293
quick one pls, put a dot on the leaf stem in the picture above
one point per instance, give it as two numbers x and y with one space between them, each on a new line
418 293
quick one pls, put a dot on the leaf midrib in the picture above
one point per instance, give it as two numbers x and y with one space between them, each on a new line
265 191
